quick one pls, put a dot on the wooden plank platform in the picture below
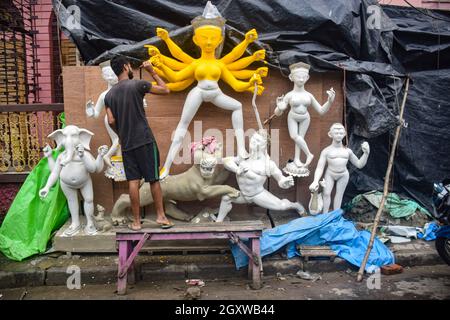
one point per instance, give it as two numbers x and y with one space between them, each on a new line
131 242
105 242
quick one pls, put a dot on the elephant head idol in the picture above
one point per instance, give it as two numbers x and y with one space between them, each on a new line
73 167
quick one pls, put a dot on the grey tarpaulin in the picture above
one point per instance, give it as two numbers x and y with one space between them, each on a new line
376 46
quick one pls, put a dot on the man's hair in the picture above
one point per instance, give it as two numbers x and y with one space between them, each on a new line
117 64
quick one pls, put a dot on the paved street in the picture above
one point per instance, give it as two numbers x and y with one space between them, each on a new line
427 282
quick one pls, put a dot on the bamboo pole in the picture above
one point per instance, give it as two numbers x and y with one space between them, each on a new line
386 186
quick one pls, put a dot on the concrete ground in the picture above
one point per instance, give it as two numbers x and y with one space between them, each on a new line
163 275
422 282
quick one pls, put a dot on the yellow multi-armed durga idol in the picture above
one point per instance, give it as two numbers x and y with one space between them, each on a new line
207 70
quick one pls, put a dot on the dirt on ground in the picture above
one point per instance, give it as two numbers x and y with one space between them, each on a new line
427 282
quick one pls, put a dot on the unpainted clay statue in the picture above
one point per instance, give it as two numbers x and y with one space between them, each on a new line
202 181
94 111
251 174
207 70
298 118
73 166
336 157
101 223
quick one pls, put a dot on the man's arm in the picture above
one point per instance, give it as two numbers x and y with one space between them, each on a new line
160 87
111 119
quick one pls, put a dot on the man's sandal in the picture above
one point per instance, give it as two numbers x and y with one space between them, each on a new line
130 226
166 225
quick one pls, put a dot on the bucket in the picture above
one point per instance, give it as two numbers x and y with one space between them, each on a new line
119 170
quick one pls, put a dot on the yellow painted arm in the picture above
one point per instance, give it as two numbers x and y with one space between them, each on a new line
239 50
180 86
173 64
159 72
177 86
170 62
174 49
245 62
169 74
252 89
247 74
238 85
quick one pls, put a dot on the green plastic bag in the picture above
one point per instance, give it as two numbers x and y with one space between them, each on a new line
397 207
30 221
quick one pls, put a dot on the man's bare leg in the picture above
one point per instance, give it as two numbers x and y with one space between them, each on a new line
155 188
133 186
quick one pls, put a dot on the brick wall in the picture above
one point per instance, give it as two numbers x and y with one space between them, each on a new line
428 4
43 10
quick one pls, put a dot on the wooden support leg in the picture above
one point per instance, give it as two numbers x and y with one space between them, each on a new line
131 270
256 272
123 255
250 262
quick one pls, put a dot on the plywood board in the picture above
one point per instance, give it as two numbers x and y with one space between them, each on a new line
85 82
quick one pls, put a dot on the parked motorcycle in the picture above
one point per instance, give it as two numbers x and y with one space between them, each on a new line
441 211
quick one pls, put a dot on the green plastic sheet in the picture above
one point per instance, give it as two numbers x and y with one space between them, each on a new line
31 221
397 207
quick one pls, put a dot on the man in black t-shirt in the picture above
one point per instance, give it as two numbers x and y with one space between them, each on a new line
125 110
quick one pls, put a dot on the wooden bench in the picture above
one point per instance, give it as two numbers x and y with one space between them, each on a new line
131 242
307 252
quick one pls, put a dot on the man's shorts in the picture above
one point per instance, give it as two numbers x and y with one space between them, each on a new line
142 162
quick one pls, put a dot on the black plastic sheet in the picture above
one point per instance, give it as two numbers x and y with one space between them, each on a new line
376 46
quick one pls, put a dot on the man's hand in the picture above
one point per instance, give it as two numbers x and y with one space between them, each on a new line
251 36
286 182
147 65
162 33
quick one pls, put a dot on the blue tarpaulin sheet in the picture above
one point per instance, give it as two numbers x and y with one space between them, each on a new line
324 229
429 231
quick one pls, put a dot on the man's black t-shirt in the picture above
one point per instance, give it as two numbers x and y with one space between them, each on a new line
125 99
